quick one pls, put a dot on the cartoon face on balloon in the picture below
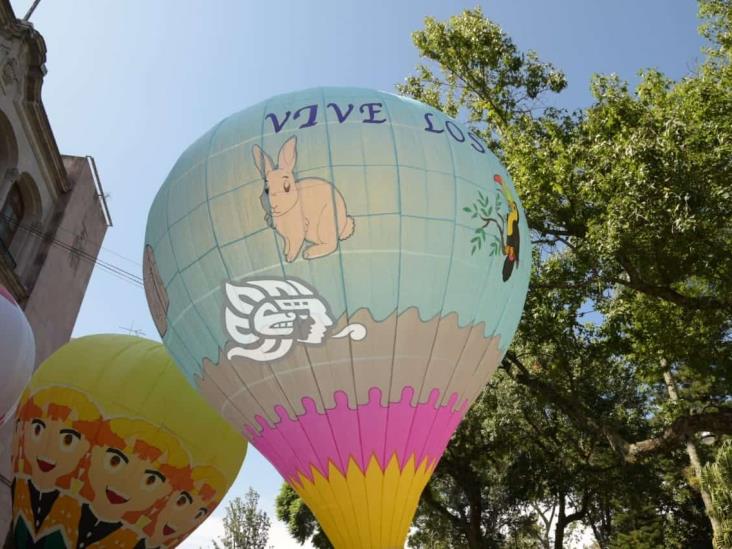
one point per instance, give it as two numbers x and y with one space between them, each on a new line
127 471
186 509
95 464
56 427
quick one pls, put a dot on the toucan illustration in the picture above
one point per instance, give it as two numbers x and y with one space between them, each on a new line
511 244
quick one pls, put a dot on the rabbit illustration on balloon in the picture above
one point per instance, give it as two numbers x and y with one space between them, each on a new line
309 209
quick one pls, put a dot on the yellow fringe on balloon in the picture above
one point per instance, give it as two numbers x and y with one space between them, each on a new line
366 511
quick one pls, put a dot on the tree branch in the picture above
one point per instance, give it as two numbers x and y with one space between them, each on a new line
429 498
575 410
579 514
719 421
665 292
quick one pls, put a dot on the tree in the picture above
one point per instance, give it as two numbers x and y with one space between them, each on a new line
628 202
717 479
245 525
509 463
300 521
623 353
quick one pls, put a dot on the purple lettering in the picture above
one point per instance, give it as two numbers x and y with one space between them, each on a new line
339 114
276 123
373 111
476 141
311 118
460 137
430 127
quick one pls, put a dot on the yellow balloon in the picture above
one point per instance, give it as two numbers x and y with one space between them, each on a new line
113 448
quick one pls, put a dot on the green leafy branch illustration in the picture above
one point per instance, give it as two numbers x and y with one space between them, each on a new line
483 210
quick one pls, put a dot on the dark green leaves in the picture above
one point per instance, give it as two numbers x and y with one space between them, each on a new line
629 202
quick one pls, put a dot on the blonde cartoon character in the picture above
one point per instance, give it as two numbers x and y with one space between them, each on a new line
16 452
309 209
126 479
54 432
187 508
126 473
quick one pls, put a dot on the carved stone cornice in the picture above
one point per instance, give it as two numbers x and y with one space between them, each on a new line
23 63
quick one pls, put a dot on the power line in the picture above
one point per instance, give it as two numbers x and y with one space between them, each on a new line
98 243
127 259
111 268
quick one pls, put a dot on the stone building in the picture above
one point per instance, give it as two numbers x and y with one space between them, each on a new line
53 215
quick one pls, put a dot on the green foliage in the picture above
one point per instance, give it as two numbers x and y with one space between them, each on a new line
629 203
477 487
301 523
488 77
717 479
717 27
509 461
245 525
647 536
629 206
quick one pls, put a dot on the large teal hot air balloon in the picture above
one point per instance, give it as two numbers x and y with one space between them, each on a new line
339 271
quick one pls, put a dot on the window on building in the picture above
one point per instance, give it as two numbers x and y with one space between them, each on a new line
11 215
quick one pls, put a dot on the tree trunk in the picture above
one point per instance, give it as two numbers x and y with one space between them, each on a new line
561 525
475 535
564 520
545 538
693 454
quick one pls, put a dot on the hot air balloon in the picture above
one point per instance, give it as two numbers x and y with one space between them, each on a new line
327 268
17 354
113 448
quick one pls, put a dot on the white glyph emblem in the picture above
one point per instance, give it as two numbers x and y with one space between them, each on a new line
265 317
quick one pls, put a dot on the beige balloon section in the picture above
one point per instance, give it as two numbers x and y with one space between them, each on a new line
113 448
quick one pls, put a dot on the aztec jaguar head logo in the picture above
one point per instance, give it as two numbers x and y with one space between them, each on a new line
266 317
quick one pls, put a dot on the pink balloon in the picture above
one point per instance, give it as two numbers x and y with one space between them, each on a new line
17 353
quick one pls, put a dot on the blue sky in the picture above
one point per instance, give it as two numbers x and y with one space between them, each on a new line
134 82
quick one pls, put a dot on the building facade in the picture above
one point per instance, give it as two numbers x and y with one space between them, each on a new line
53 214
